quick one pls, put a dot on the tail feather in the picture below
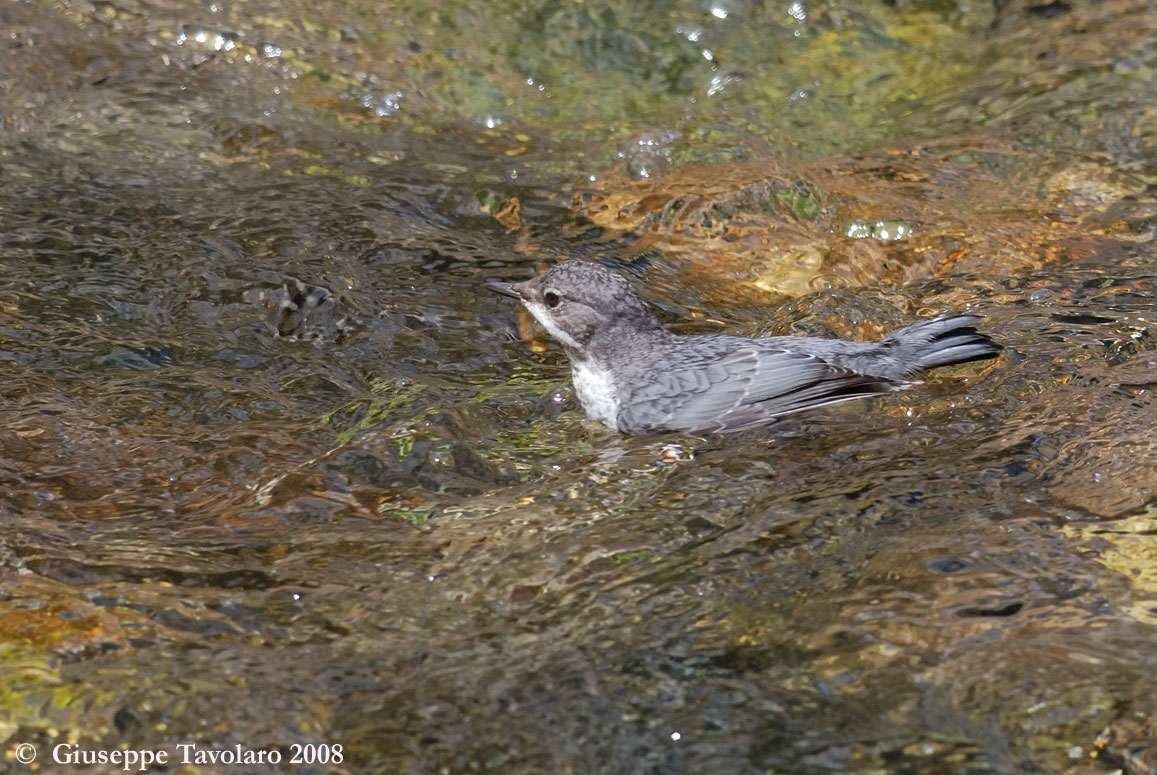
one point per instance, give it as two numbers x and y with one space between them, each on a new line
942 342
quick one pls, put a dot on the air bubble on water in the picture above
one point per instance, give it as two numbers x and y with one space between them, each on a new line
888 231
719 83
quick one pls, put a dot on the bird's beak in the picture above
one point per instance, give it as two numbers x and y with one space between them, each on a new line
506 289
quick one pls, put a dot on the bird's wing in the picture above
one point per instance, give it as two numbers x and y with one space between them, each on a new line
734 387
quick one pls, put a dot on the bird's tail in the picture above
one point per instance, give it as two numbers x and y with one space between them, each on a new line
941 342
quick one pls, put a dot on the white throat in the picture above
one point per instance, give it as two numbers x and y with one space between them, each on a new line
543 317
594 385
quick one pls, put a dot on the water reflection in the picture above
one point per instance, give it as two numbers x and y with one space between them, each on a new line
275 469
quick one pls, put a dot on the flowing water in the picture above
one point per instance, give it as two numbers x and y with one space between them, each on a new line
277 473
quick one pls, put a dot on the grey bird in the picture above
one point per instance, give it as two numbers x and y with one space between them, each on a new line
636 377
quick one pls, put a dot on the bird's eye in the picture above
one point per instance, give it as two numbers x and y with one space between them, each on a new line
552 299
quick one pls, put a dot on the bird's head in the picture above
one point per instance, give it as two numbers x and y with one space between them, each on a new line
577 300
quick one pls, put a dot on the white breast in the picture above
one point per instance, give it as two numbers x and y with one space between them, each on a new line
595 388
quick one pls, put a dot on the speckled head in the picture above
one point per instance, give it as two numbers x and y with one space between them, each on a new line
576 300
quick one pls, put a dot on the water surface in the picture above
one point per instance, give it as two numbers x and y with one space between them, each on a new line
275 470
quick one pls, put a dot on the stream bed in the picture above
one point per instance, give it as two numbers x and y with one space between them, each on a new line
277 474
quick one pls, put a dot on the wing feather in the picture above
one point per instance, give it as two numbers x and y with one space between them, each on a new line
730 387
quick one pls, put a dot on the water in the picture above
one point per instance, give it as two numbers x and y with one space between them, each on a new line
275 470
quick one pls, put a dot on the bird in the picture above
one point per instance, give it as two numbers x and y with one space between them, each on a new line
636 377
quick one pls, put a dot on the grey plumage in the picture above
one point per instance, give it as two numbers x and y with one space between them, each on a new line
637 377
